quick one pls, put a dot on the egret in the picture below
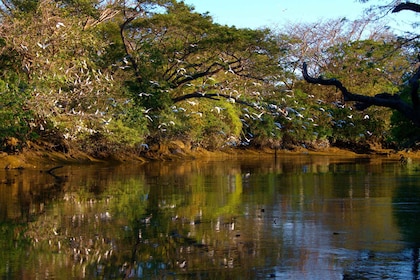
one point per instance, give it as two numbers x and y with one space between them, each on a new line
258 116
218 109
193 103
154 83
106 122
42 46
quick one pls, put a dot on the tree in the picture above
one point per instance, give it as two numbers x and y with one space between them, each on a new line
55 52
190 73
408 108
185 54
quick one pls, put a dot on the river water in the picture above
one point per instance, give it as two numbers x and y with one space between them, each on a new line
294 217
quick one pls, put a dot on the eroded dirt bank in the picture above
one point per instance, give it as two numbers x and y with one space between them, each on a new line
41 157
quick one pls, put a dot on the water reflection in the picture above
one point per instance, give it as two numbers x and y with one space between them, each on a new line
297 217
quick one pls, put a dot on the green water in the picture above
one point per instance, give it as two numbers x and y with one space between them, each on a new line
297 217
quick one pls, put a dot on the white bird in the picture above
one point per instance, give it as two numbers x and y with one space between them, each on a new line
258 115
218 109
230 70
106 122
183 264
193 103
150 119
154 83
42 46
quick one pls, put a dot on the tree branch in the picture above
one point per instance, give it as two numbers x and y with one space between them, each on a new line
382 100
213 96
407 6
105 15
126 45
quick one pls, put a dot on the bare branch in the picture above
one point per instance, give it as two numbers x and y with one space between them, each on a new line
105 15
383 99
128 48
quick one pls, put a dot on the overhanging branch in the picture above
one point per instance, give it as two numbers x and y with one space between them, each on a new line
382 99
407 6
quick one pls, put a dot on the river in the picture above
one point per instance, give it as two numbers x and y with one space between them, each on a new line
294 217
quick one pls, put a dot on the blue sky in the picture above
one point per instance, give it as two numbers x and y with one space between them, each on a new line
269 13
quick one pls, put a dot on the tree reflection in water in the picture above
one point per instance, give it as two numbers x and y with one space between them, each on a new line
296 217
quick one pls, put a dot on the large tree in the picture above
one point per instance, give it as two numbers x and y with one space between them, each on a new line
409 108
183 54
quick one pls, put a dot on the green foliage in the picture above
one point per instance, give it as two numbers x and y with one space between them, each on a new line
16 117
403 134
203 123
369 66
108 77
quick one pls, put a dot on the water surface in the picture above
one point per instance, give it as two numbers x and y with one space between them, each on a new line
296 217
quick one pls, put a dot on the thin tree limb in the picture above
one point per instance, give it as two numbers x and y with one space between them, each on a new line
213 96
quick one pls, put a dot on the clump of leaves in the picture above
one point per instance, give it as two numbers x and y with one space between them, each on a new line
17 120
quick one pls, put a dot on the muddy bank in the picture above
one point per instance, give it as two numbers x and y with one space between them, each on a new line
38 157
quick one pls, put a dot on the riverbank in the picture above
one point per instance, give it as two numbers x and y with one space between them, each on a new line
36 157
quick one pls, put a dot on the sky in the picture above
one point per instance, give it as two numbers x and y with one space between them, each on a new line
271 13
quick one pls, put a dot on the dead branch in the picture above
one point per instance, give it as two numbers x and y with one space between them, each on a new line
105 15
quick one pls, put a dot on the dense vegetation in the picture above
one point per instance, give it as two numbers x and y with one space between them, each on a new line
106 77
